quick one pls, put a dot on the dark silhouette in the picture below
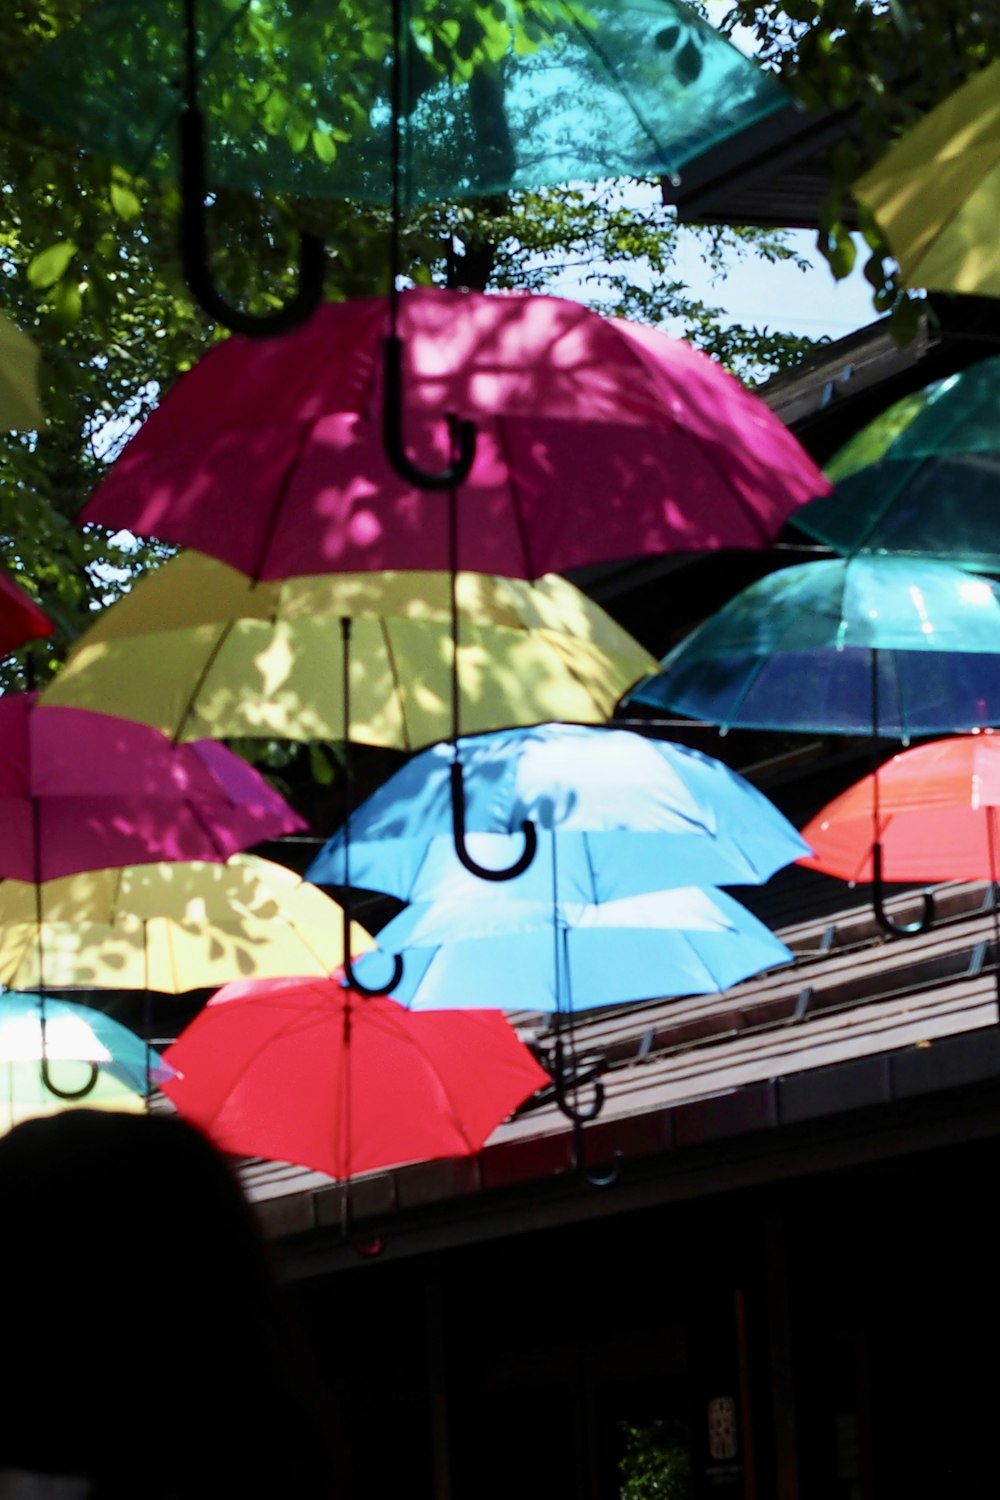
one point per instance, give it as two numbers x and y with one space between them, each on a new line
148 1348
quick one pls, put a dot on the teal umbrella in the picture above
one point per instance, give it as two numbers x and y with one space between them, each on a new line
923 478
868 645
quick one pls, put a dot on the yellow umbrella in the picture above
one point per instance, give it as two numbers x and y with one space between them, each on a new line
20 409
936 193
200 650
169 927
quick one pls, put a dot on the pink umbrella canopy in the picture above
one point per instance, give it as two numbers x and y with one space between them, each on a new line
86 791
20 617
597 439
307 1071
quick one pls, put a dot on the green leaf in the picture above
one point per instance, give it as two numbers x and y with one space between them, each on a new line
50 265
124 202
324 146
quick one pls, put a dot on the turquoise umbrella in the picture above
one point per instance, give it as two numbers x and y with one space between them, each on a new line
922 478
888 646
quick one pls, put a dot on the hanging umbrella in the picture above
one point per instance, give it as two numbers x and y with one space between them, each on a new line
82 791
300 102
869 645
568 955
197 648
83 1051
936 808
598 439
20 408
20 617
936 192
305 1071
628 814
922 478
169 927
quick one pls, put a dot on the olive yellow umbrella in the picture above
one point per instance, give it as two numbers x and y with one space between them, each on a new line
936 192
20 409
169 927
198 649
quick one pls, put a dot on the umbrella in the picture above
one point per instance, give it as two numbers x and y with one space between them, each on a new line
81 1052
169 927
936 811
568 955
300 102
628 814
936 192
82 791
869 645
197 648
922 478
598 439
20 409
20 617
305 1071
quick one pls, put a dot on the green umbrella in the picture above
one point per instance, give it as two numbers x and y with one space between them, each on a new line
922 478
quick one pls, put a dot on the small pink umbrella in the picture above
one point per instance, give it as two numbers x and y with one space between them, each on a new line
20 617
86 791
596 439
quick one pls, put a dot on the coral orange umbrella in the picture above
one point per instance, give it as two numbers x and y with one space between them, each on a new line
307 1071
932 808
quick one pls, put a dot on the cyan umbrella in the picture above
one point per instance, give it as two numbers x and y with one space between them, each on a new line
868 645
567 956
922 478
630 814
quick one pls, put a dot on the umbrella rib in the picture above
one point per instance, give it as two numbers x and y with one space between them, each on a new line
432 1066
198 686
281 494
586 36
400 690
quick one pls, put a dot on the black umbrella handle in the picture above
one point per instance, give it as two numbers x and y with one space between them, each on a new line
60 1093
483 872
370 992
463 431
899 929
194 250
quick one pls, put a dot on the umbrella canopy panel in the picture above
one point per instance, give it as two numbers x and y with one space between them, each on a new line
597 439
32 1028
20 408
306 1071
169 927
297 97
936 192
83 791
922 478
628 814
798 651
20 617
198 648
937 816
566 956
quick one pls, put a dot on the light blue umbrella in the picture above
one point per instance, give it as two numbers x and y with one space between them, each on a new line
568 956
630 814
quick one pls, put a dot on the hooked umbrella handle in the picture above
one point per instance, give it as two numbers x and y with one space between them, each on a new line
523 860
194 250
900 929
463 431
61 1093
370 992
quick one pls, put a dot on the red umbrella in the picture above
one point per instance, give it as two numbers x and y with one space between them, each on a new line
86 791
307 1071
20 617
935 811
597 439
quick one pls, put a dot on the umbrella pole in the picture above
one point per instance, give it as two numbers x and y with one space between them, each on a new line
397 963
887 923
482 872
463 433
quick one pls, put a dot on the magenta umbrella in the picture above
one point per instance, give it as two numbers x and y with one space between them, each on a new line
596 439
86 791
